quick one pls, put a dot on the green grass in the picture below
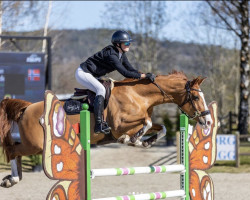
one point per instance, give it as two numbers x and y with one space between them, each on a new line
229 166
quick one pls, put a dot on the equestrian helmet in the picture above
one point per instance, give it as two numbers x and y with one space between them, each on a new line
120 37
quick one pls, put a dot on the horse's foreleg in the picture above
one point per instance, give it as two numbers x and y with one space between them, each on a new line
161 132
135 139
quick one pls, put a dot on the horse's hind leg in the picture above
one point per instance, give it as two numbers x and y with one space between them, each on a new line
14 153
16 173
19 167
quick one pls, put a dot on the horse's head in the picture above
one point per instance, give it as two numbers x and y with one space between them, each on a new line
195 105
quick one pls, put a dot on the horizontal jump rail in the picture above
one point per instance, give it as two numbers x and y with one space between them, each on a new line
149 196
136 170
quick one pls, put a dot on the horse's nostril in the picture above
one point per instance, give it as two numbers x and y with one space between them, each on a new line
208 123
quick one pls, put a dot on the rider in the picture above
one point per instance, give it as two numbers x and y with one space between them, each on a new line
110 58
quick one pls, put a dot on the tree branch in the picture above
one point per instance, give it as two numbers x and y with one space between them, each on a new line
235 3
223 18
229 11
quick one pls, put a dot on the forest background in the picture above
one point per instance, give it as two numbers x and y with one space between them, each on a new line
217 55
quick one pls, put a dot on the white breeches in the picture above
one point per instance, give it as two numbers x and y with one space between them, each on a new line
90 82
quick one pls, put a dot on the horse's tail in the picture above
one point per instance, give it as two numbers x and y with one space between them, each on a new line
10 111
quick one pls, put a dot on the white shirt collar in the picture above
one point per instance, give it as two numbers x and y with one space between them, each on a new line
120 55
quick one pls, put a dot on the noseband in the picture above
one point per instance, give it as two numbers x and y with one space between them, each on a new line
188 98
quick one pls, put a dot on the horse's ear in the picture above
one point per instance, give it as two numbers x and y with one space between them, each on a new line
194 81
201 79
197 80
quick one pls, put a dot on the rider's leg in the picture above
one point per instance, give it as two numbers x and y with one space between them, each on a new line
100 127
91 83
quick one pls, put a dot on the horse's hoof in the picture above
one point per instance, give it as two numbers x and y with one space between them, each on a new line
146 145
6 183
6 177
124 139
9 182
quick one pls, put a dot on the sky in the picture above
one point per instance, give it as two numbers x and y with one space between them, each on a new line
89 14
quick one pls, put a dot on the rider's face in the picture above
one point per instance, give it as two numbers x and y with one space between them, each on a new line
125 47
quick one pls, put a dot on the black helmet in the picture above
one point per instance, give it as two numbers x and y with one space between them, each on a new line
120 36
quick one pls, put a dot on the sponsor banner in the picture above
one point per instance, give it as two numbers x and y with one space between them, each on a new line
226 147
22 76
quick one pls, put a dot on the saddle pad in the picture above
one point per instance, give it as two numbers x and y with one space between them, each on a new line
72 107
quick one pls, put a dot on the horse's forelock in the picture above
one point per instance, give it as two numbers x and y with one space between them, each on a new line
178 74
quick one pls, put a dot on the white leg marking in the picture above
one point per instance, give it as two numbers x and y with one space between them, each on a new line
148 126
138 143
161 133
145 129
15 180
124 139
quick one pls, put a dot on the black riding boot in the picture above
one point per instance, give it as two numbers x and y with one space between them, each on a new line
100 127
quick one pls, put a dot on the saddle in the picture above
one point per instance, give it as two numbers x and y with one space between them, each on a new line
73 105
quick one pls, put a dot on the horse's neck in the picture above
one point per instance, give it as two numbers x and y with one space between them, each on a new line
172 86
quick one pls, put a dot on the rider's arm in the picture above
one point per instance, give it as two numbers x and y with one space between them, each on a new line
129 67
116 64
127 64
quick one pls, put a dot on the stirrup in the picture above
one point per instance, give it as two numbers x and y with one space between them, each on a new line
106 132
100 130
105 126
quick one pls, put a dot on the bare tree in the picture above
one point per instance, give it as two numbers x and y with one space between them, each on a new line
147 20
45 30
234 16
1 14
13 13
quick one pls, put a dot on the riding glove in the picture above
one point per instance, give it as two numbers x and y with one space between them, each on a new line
151 77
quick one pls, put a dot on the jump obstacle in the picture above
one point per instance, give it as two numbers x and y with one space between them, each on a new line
183 168
66 160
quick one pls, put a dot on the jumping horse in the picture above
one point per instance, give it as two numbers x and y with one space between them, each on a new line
128 113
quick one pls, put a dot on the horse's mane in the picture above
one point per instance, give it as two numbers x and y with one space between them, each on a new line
174 73
178 74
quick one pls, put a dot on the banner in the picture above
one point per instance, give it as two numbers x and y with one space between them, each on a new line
226 147
22 76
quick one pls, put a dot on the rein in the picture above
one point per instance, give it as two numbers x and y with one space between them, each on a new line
188 99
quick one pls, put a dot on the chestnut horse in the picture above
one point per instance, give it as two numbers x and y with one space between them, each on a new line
128 114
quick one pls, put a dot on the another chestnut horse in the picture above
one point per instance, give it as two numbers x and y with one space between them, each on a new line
128 114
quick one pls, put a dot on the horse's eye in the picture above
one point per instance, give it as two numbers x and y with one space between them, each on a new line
196 98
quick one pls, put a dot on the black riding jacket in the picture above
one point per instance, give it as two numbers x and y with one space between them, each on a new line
106 61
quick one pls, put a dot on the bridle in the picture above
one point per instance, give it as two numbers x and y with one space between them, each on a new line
188 98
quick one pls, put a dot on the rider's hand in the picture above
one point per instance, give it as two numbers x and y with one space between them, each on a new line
143 75
151 77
